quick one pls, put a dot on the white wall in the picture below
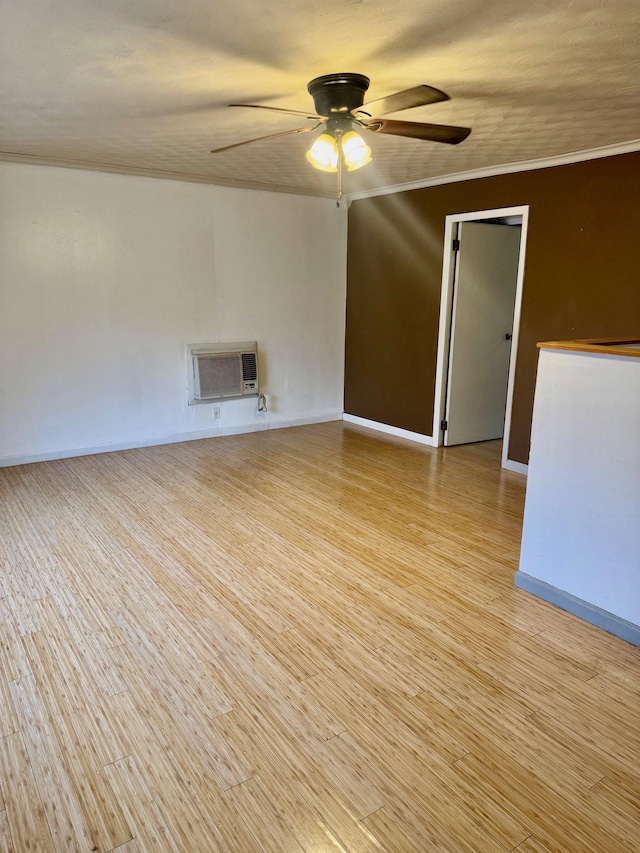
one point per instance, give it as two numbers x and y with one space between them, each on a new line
582 515
104 278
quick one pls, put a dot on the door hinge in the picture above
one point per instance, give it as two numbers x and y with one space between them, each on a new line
443 426
508 336
456 245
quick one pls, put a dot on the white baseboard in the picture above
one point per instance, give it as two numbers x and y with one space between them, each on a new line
518 467
175 438
390 430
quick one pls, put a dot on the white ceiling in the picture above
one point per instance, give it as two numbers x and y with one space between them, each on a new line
140 85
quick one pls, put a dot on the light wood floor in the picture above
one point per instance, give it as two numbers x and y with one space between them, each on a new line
298 640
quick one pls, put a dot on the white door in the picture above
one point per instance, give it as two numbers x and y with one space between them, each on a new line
481 328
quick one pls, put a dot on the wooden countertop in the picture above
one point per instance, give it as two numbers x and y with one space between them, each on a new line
605 346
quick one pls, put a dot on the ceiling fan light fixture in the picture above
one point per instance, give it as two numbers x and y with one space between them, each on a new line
355 150
338 100
324 153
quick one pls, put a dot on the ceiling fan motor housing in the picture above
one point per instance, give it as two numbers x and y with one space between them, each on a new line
338 94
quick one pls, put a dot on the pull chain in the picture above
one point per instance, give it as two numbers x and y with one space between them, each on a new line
338 135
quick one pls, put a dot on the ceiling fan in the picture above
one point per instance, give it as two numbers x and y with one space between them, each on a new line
340 110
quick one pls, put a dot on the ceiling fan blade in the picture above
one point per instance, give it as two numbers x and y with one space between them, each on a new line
419 130
262 138
419 96
308 115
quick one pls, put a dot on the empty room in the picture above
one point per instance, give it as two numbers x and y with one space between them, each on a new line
319 418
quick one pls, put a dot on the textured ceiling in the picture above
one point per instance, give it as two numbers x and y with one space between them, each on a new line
142 84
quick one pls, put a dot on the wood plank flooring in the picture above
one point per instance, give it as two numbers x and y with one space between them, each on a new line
298 640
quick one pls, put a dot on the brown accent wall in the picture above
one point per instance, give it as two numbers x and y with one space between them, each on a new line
582 280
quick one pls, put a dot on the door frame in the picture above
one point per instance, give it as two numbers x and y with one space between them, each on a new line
452 222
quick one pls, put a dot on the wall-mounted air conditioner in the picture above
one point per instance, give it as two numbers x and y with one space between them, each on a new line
222 371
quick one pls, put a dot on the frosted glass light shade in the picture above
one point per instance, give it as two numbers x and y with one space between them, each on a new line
355 150
323 154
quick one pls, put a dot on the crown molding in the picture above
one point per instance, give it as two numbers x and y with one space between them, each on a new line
114 168
485 172
504 169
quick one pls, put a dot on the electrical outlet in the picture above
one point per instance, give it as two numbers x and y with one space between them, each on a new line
216 413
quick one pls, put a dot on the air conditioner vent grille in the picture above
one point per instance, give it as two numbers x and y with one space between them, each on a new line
219 375
249 366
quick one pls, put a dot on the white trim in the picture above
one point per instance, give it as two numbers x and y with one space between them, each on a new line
117 169
517 310
518 467
494 213
505 169
214 432
483 172
451 225
446 305
390 430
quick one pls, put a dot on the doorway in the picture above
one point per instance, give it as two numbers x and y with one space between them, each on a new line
483 272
